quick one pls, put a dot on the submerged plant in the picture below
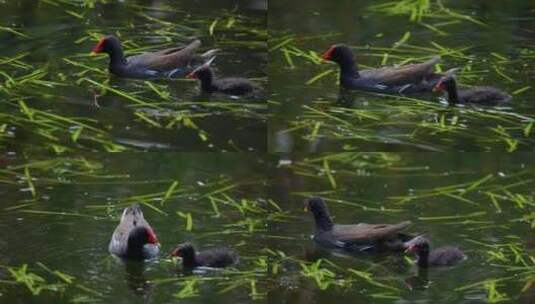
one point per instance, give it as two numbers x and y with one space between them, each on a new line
189 290
35 283
322 276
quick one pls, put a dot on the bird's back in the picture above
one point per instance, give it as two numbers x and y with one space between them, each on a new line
165 60
132 218
367 232
234 85
217 257
401 75
483 95
446 256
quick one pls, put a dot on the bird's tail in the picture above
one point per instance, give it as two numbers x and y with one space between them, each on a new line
434 60
210 53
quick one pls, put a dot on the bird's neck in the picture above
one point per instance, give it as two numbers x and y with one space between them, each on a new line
116 56
190 260
323 220
348 67
423 259
207 81
135 248
453 96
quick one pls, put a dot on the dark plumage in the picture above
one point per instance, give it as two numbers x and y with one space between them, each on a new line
357 237
134 238
407 79
216 257
228 85
477 95
173 62
443 256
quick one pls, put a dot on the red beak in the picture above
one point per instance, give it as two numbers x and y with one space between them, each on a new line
98 47
439 87
327 55
152 237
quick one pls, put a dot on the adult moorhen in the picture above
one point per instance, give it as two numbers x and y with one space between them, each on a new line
228 85
443 256
478 95
134 238
216 257
357 237
407 79
173 62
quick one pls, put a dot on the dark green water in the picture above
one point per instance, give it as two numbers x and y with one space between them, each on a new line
318 117
482 203
52 35
386 188
225 171
92 191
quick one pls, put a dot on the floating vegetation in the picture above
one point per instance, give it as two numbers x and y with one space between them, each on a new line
326 118
13 31
56 132
47 280
321 276
325 274
216 205
188 290
360 121
416 9
420 9
483 205
54 89
415 124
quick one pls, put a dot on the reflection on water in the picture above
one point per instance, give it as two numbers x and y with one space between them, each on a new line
68 224
491 45
434 192
58 77
136 279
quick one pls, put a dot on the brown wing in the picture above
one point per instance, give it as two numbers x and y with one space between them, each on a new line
169 51
167 59
402 75
366 232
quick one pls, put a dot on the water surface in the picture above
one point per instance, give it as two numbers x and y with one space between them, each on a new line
311 113
47 68
480 203
65 223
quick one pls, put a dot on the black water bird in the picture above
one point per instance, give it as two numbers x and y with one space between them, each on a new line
215 257
443 256
355 237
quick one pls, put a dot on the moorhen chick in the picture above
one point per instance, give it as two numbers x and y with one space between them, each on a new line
173 62
357 237
228 85
478 95
215 257
407 79
443 256
134 238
